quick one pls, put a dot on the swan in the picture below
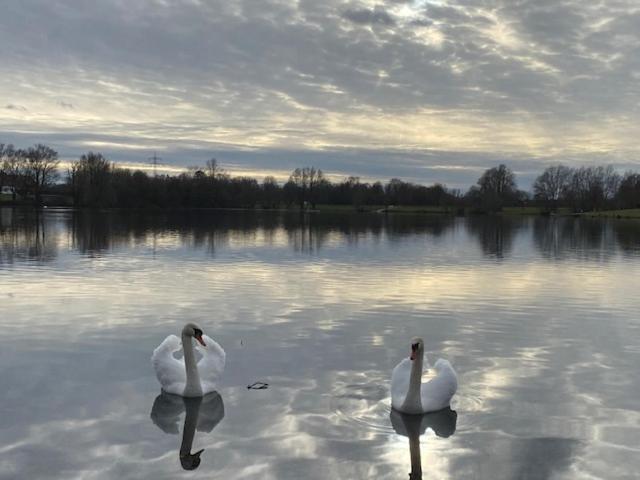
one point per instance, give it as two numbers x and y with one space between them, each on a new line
187 376
410 395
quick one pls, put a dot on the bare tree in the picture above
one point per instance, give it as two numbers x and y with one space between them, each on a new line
306 181
629 191
214 170
90 180
552 184
2 163
498 181
611 182
41 169
12 164
271 192
497 186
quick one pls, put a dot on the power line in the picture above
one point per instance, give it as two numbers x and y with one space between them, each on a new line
154 161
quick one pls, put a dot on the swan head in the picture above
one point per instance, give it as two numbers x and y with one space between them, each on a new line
193 330
191 461
417 348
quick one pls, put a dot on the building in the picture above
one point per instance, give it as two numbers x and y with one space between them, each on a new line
7 194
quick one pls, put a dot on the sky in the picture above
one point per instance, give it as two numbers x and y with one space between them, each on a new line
423 90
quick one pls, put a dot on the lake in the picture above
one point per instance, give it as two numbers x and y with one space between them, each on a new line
539 316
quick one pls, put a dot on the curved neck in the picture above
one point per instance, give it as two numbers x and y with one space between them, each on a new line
193 378
413 400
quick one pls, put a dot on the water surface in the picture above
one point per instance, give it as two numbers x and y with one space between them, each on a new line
538 315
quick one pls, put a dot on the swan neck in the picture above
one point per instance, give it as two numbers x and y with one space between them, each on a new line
413 401
193 379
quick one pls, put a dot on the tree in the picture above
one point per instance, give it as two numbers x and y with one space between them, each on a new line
90 180
12 166
497 186
214 170
306 182
41 169
592 188
628 195
498 181
270 192
552 185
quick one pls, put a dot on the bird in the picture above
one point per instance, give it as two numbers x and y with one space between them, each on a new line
410 395
188 376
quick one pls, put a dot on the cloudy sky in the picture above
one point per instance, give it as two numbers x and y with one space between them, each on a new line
424 90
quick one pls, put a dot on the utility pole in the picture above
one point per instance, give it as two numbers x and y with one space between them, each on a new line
154 161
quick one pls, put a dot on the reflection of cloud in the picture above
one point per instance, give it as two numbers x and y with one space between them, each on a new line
534 346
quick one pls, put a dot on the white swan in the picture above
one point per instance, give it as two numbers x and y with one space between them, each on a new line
187 376
410 395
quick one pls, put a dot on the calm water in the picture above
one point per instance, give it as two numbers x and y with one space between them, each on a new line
539 317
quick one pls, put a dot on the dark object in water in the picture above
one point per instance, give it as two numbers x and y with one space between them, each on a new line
258 386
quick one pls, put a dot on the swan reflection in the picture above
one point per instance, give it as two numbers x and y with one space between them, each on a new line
442 422
202 414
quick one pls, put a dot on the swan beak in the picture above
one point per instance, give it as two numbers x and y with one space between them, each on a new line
414 349
200 340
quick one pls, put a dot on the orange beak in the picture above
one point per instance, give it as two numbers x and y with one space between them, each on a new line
200 340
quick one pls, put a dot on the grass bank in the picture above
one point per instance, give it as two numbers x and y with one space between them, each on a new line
627 213
388 209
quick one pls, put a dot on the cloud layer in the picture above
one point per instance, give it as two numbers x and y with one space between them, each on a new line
425 90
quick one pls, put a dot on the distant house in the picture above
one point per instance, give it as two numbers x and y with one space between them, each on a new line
7 194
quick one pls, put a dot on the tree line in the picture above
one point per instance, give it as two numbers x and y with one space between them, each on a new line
94 181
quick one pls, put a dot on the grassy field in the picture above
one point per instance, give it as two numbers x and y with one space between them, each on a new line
381 208
535 211
523 210
628 213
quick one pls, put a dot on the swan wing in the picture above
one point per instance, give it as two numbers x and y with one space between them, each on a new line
169 370
437 393
211 364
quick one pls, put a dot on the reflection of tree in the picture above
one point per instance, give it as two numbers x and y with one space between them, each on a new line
401 225
305 233
25 235
495 233
92 232
628 235
309 232
561 238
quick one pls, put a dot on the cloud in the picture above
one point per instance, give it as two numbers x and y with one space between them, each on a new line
364 16
543 80
11 106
